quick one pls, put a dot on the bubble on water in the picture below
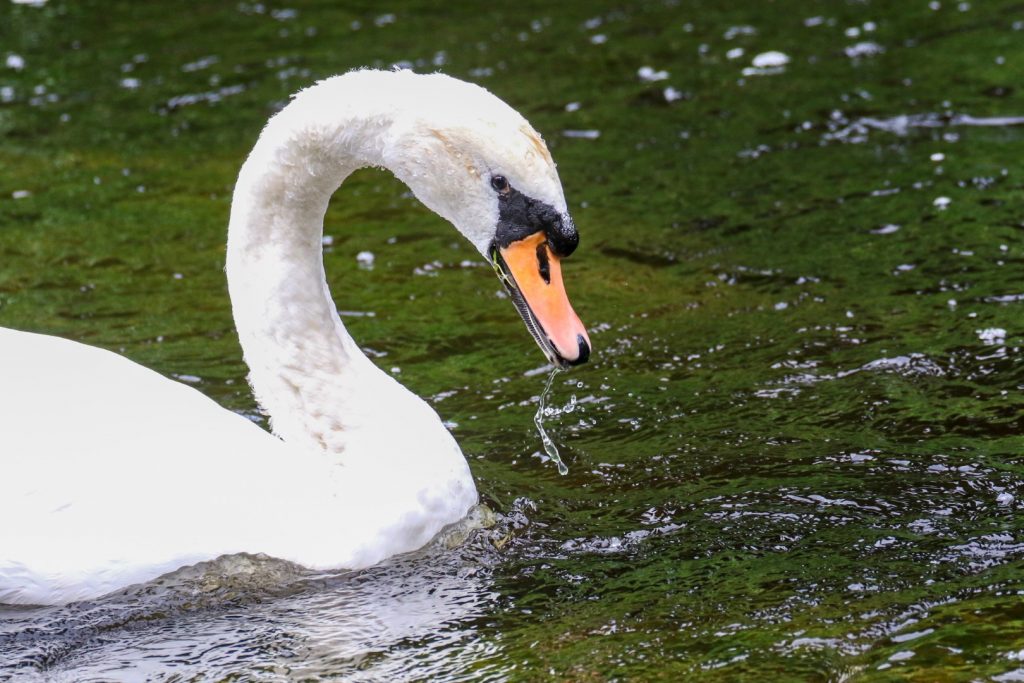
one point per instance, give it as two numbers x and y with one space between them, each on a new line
672 95
887 229
201 63
210 97
768 60
365 259
429 269
992 335
767 64
844 129
285 14
863 49
736 31
752 153
648 74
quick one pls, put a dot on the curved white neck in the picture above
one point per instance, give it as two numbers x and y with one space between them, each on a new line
305 369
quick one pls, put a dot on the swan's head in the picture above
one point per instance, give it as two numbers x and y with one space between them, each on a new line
477 162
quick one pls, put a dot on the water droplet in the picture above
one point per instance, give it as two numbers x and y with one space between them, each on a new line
16 62
768 60
649 75
538 419
365 259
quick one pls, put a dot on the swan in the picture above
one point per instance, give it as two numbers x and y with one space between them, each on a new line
113 475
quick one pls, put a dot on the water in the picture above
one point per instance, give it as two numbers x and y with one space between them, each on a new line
538 419
796 452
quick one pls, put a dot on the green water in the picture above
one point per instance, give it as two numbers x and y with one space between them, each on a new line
797 451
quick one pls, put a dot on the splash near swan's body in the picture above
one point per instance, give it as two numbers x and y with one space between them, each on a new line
362 469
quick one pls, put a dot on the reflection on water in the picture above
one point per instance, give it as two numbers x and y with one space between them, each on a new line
798 447
248 615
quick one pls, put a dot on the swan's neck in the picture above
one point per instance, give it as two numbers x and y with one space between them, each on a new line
305 369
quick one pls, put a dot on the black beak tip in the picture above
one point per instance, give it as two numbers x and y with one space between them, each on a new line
584 351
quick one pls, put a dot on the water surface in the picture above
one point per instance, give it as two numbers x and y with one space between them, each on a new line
797 451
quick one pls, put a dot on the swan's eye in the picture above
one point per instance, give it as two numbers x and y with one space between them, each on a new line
499 183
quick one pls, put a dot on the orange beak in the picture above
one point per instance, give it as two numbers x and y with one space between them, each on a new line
532 274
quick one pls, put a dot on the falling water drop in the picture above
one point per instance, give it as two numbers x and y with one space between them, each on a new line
549 446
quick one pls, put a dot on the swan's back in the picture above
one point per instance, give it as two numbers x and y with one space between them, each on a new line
113 474
99 454
56 392
79 406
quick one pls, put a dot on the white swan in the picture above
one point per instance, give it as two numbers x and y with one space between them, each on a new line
111 474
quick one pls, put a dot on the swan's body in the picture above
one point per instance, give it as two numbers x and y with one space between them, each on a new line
111 474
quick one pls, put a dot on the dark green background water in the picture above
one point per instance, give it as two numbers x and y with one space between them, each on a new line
797 453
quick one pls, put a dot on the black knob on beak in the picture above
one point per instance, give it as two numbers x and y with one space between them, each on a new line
562 235
584 351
